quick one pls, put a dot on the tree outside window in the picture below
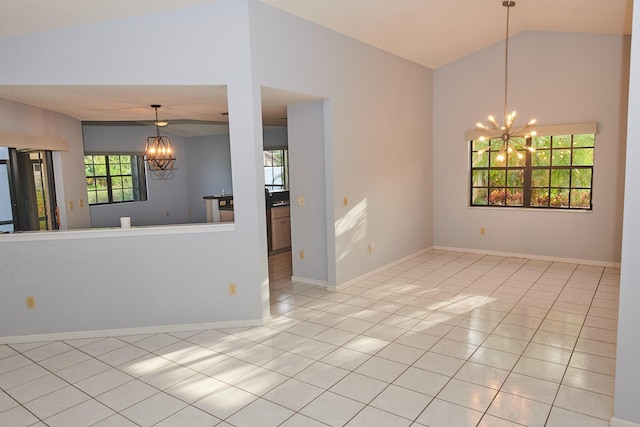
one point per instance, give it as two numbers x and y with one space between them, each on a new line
558 174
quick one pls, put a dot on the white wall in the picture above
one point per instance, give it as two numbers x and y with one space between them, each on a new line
167 201
558 78
275 137
379 142
82 282
627 388
379 157
68 166
307 172
208 171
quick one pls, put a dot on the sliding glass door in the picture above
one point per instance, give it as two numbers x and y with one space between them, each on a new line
27 193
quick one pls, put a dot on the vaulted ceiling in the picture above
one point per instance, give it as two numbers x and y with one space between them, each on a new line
429 32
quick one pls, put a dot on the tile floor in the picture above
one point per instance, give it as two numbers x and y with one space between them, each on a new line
444 339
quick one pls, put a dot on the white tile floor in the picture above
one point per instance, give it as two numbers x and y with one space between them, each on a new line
444 339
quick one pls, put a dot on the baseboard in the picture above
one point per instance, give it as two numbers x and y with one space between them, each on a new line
531 256
102 333
312 282
376 271
617 422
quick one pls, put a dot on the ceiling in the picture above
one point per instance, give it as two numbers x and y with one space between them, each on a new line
429 32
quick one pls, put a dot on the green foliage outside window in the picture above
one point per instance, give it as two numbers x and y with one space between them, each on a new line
558 174
114 178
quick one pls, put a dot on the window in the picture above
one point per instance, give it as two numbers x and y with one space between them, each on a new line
557 174
276 169
27 190
115 178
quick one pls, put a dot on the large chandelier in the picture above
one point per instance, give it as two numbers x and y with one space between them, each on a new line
504 136
159 154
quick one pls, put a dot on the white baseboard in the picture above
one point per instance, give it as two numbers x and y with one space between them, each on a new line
312 282
377 270
532 256
131 331
616 422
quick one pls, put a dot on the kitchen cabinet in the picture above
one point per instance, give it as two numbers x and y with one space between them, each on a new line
280 228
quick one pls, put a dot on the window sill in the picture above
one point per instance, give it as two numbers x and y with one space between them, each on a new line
97 233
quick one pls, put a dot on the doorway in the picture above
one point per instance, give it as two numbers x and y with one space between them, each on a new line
27 191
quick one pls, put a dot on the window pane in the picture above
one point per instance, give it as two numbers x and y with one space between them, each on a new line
583 157
101 183
561 158
540 158
127 182
480 196
581 178
560 177
89 170
101 170
278 176
103 196
516 158
125 168
587 140
278 158
91 184
114 168
559 198
480 178
540 197
480 160
515 178
479 145
128 195
541 142
497 197
268 158
563 141
99 160
497 178
116 182
117 195
581 199
514 197
93 197
493 158
540 177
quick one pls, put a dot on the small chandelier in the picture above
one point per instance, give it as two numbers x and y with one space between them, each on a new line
159 154
506 134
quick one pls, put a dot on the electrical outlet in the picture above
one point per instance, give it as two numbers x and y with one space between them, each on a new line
371 247
301 254
233 289
482 231
345 201
301 201
81 203
31 302
71 205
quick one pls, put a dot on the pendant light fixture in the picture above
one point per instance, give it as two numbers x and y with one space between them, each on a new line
501 138
159 154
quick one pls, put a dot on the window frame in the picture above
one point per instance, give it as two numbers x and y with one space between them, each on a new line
285 166
528 168
138 178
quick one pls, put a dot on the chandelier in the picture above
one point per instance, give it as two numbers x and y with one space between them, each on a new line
504 136
159 154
